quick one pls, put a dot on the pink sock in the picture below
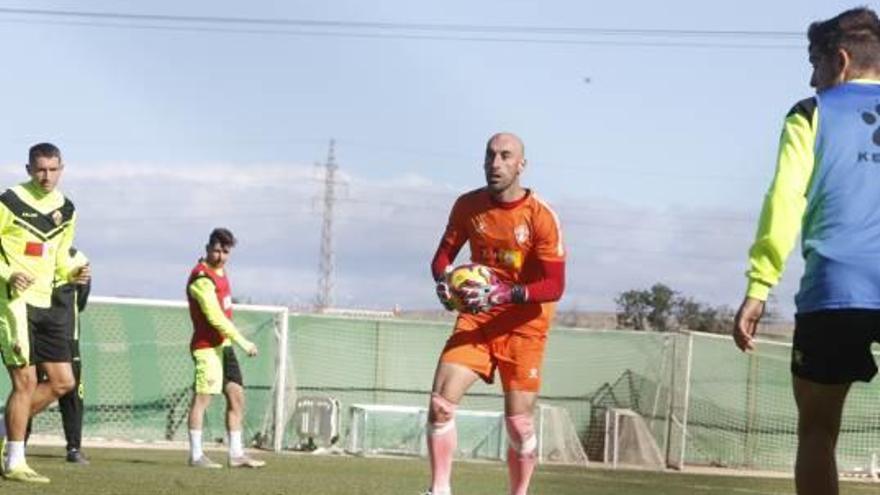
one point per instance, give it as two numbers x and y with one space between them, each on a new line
442 441
522 453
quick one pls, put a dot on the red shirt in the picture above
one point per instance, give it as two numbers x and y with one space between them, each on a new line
204 335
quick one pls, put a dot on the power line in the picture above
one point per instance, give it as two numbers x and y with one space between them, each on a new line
429 32
467 28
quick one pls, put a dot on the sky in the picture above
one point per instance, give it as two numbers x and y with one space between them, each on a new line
651 127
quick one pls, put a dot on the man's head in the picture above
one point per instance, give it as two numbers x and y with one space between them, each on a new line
220 244
845 47
45 166
505 161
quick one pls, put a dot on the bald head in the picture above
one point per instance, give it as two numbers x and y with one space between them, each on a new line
508 138
504 162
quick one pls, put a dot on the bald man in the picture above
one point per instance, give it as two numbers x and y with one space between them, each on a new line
517 235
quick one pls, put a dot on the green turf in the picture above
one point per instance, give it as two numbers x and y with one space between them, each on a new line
150 472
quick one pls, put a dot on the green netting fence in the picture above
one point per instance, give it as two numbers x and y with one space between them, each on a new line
137 372
705 402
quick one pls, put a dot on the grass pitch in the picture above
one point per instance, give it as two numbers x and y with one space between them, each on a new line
148 472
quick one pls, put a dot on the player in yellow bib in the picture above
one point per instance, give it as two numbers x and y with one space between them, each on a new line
37 226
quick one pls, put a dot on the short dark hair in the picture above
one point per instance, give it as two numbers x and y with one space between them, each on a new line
221 236
857 31
43 150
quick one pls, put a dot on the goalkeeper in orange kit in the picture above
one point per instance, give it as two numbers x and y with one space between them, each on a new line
517 235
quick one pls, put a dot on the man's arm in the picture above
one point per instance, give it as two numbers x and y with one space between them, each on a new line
17 280
550 286
551 255
785 202
67 267
6 219
451 243
203 291
781 217
83 288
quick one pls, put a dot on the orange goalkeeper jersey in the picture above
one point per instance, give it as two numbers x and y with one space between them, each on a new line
512 239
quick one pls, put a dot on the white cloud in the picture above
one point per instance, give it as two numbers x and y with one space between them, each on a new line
143 225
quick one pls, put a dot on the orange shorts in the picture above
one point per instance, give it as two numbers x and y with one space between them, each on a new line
506 341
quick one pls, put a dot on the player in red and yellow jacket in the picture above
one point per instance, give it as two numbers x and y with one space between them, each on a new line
513 232
216 367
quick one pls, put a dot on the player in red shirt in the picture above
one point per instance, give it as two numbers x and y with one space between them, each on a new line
216 367
512 231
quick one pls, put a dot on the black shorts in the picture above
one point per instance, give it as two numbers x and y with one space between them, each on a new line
50 342
834 346
231 370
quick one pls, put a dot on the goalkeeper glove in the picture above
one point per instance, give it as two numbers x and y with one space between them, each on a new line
444 292
477 298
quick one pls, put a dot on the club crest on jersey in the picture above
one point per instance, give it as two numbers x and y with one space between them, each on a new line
521 233
57 217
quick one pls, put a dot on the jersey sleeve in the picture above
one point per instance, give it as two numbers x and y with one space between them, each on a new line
548 235
202 290
452 241
785 201
6 219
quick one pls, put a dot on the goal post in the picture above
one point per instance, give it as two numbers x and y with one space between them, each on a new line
137 373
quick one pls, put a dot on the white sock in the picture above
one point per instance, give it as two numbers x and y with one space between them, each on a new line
195 445
14 454
235 447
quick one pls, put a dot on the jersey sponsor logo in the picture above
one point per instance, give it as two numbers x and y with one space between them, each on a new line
34 249
521 234
865 157
871 118
511 258
533 374
227 302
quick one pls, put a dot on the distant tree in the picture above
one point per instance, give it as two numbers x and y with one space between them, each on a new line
646 309
701 317
663 301
663 309
632 309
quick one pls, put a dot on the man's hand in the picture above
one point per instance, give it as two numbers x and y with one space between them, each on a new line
746 323
81 275
475 296
250 348
444 292
20 281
